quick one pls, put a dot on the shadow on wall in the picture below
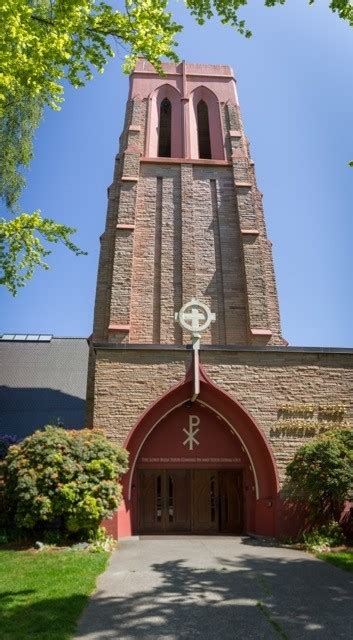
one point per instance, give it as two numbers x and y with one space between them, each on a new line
23 410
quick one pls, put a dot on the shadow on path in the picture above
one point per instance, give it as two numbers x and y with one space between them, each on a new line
218 589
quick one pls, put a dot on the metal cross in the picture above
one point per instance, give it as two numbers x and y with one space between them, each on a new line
195 315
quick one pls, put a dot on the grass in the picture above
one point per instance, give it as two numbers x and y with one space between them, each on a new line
342 559
274 624
43 593
265 610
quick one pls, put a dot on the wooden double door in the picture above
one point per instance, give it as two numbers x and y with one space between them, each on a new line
190 501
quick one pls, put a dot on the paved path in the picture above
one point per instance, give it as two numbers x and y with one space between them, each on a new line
209 588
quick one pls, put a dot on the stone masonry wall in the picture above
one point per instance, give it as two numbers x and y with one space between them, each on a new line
181 229
128 381
186 243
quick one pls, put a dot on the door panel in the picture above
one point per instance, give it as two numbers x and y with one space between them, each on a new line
178 487
186 500
230 501
164 500
204 502
151 500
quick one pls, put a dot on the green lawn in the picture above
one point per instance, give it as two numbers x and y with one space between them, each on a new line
43 593
342 559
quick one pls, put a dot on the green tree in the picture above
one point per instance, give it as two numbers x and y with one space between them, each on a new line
321 475
62 478
46 42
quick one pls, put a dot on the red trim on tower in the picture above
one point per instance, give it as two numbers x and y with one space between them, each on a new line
119 327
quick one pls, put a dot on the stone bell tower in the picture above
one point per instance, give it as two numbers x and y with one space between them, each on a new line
185 216
208 436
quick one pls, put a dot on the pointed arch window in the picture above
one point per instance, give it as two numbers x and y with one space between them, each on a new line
203 130
165 129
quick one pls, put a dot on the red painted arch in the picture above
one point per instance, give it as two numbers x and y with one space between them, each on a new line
264 504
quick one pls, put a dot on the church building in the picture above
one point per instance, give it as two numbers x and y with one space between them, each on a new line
210 411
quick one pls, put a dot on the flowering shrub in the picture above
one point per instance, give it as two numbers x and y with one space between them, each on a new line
67 479
321 475
322 538
5 443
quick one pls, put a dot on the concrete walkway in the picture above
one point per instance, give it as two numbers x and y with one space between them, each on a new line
209 588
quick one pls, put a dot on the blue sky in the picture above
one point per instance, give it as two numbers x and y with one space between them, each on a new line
295 83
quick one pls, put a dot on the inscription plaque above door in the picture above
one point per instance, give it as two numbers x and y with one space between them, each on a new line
192 438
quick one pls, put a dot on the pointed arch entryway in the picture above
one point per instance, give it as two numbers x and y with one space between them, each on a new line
186 460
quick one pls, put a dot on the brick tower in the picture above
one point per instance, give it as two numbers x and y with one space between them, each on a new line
185 220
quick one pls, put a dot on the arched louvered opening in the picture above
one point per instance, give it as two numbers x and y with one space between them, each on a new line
203 130
165 129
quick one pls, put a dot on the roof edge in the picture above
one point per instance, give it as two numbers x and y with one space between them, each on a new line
111 346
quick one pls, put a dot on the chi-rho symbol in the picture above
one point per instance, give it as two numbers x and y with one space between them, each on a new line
191 433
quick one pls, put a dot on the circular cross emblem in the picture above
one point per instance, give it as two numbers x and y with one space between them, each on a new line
195 317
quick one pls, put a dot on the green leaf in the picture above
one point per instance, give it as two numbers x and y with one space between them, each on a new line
22 249
43 43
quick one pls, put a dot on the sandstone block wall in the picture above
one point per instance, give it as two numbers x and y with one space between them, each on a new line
178 228
128 381
186 243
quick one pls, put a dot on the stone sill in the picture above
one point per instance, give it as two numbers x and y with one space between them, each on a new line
250 232
261 332
119 327
221 163
125 227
